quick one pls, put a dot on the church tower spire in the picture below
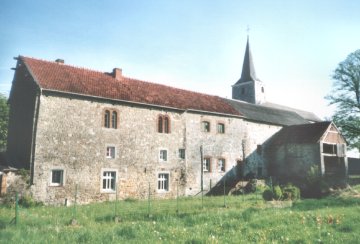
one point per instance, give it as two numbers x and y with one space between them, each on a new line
248 88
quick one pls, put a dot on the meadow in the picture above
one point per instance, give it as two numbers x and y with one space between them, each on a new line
234 219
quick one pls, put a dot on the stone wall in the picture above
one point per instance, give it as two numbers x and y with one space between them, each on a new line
71 137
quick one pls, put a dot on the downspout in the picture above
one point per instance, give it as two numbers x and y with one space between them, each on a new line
34 131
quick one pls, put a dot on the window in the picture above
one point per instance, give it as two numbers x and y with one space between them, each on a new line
108 181
163 124
182 153
107 119
221 128
262 89
242 91
110 152
206 165
160 124
205 126
163 155
110 119
330 148
259 172
57 177
221 165
114 120
163 182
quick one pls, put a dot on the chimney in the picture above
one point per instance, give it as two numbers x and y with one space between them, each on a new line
117 73
60 61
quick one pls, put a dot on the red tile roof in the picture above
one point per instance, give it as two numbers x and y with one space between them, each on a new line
69 79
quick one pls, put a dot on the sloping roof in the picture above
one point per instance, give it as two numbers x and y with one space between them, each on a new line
305 114
306 133
248 69
59 77
266 114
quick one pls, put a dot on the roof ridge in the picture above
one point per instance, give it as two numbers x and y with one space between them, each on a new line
65 64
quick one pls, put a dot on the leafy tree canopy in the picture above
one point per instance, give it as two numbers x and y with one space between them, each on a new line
4 118
346 96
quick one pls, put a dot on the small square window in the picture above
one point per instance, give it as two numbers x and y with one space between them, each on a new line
221 165
163 182
182 153
57 177
163 155
110 152
205 126
206 165
108 181
221 128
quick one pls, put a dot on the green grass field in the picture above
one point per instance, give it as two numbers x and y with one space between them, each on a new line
246 219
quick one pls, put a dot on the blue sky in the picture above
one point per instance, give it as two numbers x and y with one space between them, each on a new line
191 44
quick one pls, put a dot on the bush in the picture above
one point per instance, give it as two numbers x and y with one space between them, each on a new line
268 195
277 193
291 192
250 186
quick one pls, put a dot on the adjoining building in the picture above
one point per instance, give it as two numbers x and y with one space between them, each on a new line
107 133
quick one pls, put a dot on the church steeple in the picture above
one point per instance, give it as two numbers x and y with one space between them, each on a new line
248 69
248 88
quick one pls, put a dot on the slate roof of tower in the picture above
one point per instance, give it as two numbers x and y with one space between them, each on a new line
267 114
248 69
306 133
69 79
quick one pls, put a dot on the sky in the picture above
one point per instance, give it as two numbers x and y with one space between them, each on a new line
196 45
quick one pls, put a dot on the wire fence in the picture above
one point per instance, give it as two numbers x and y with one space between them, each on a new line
129 209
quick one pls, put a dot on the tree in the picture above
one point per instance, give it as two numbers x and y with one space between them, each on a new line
4 118
346 96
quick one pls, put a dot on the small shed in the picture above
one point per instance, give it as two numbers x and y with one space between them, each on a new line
295 149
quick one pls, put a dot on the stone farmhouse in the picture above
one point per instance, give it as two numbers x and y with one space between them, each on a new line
107 133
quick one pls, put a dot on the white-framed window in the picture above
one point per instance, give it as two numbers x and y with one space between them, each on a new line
108 180
163 182
110 151
57 177
206 164
221 165
221 128
163 157
205 126
182 153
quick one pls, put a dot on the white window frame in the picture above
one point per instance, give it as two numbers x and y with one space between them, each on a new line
112 154
62 177
163 183
161 155
205 126
221 164
108 188
206 167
